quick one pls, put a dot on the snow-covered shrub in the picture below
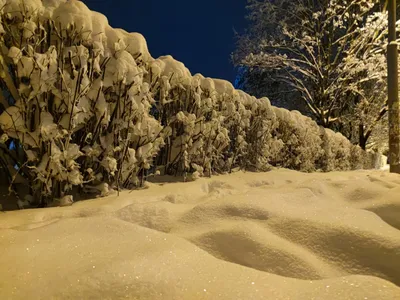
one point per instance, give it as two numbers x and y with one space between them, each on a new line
262 146
301 140
187 106
357 158
337 151
234 119
80 109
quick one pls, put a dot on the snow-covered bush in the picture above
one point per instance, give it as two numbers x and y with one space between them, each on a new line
336 151
357 158
79 114
85 106
301 140
262 146
234 119
188 107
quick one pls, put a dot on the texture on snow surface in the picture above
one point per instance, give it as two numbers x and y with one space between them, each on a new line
276 235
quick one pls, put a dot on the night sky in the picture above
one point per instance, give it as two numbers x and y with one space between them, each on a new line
199 33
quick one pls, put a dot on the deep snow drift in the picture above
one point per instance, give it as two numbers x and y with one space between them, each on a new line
276 235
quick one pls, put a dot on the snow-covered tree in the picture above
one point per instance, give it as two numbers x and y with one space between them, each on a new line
329 51
365 79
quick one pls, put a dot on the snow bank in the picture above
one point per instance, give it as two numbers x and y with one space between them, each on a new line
275 235
79 86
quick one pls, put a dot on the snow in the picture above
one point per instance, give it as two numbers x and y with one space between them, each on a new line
284 234
136 45
15 54
14 7
99 25
122 68
48 129
223 87
208 85
74 13
110 164
170 69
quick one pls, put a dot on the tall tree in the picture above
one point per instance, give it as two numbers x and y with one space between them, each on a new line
330 52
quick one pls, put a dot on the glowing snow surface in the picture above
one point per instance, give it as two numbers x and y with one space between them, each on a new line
276 235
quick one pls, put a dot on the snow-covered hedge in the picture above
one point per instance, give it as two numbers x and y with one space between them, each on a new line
336 151
86 106
301 140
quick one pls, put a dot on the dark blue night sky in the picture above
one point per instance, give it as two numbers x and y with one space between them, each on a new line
199 33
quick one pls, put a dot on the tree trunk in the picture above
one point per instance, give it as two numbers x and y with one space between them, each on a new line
362 140
393 92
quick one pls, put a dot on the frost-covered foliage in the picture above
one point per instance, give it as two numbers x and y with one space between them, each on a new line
331 54
85 106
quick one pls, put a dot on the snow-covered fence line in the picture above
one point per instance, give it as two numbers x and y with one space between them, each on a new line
85 107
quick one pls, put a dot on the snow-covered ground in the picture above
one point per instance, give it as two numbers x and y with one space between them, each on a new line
276 235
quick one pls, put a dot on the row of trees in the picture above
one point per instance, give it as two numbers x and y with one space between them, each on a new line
85 108
330 54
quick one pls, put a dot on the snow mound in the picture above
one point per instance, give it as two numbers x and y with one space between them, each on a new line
285 234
